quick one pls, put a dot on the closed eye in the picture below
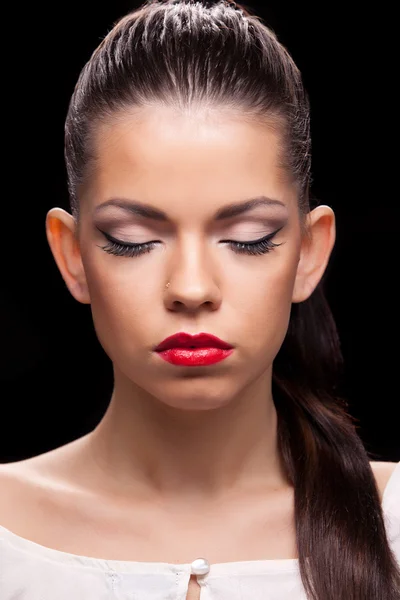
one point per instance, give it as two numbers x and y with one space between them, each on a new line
254 247
260 246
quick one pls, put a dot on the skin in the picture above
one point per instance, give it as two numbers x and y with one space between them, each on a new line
187 435
176 440
185 461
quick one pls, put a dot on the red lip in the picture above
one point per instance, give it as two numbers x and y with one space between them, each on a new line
186 340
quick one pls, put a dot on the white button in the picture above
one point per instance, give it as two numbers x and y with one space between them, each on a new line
200 566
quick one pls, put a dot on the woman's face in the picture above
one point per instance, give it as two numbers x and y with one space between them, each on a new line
189 168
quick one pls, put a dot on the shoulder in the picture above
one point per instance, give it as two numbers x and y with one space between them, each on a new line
12 477
26 495
25 475
47 471
15 489
382 472
26 472
35 502
26 480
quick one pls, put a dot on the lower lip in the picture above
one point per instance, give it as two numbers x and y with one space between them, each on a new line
194 357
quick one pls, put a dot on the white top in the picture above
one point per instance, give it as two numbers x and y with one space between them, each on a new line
29 571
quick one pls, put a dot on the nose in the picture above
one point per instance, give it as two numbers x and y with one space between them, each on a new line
193 280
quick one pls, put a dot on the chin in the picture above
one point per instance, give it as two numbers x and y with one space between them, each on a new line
192 401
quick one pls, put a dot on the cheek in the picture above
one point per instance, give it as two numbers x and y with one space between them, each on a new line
121 298
265 305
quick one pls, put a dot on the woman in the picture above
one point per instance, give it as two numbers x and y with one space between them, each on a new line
225 466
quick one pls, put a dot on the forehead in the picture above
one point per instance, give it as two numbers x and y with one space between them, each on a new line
160 155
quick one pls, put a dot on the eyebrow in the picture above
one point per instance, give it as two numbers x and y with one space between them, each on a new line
149 212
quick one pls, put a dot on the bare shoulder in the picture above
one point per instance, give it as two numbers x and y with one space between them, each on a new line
27 472
24 482
19 475
14 489
33 499
29 487
48 470
382 472
12 477
15 475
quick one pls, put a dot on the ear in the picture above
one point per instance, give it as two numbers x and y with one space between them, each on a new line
316 248
61 231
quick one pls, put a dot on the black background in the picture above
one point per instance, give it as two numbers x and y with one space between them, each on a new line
55 378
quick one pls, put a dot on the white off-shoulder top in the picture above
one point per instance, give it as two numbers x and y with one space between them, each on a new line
29 571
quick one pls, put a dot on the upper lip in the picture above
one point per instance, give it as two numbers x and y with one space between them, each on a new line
186 340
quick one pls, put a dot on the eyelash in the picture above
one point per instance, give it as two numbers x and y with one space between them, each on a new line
257 247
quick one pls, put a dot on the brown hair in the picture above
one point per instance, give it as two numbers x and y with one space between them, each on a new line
219 55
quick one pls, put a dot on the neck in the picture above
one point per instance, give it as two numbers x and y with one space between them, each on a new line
143 444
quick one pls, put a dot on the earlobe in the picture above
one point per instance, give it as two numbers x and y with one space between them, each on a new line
64 245
315 252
